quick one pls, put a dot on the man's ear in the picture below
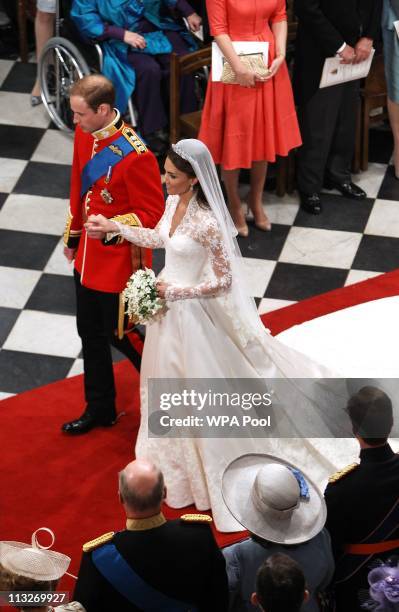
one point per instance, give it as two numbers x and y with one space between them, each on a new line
103 109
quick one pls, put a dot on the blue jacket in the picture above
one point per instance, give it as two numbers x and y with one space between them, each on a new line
91 16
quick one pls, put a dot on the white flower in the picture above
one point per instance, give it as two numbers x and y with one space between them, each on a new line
141 297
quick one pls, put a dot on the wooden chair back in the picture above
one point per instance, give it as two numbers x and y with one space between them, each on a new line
187 124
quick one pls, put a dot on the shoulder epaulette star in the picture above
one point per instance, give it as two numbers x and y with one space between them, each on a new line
341 473
196 518
102 539
136 142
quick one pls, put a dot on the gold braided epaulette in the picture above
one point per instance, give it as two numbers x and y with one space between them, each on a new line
136 142
341 473
128 219
196 518
102 539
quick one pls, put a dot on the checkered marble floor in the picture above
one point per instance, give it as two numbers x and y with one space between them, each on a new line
302 256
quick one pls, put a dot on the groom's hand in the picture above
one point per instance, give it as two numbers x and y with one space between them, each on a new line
69 254
97 226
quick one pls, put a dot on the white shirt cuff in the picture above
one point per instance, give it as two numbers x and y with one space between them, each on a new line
342 47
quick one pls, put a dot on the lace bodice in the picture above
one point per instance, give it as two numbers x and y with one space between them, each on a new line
196 263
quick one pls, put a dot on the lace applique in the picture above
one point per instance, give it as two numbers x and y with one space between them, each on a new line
144 236
140 236
200 225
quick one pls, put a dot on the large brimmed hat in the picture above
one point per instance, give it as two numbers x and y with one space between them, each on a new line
272 499
34 561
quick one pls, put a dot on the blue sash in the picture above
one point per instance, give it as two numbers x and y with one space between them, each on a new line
98 165
124 579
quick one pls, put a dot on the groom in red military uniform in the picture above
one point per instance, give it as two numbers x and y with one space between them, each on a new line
113 174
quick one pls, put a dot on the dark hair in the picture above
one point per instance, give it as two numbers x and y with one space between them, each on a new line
95 89
370 411
184 166
138 501
280 584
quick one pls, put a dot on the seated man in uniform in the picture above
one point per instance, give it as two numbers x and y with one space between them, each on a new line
137 40
363 500
153 564
280 585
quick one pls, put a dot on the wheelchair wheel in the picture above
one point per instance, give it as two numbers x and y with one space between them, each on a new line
61 64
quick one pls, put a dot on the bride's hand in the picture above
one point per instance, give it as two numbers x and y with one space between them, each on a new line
97 226
161 288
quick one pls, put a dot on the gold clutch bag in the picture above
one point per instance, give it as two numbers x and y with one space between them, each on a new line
252 61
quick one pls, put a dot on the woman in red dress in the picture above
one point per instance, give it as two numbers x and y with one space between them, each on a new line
248 124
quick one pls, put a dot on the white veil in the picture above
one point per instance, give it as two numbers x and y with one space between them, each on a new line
198 155
294 377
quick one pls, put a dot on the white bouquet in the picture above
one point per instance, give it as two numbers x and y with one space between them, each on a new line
141 297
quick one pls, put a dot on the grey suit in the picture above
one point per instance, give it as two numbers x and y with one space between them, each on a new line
244 559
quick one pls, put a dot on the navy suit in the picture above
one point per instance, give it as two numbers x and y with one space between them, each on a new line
328 116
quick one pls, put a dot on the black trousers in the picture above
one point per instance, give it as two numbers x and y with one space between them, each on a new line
97 321
328 127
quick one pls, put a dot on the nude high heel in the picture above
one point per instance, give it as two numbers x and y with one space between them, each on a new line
242 230
263 225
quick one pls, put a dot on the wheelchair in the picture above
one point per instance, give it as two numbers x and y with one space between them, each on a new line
66 58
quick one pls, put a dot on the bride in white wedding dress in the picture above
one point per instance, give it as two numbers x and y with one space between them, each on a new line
211 330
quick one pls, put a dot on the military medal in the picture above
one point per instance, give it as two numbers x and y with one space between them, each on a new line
106 196
108 177
115 149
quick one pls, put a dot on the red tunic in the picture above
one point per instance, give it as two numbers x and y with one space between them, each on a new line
241 125
137 196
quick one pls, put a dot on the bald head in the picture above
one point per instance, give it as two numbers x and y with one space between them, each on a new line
95 89
141 487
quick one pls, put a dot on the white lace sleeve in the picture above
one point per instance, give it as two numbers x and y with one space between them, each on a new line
140 236
208 235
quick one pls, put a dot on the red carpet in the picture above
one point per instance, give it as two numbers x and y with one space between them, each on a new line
70 484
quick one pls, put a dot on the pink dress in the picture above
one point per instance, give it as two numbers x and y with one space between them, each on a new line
241 125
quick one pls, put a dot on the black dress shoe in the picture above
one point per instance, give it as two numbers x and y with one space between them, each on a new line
311 203
348 189
85 423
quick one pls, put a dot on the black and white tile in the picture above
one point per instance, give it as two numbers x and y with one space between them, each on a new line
301 257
